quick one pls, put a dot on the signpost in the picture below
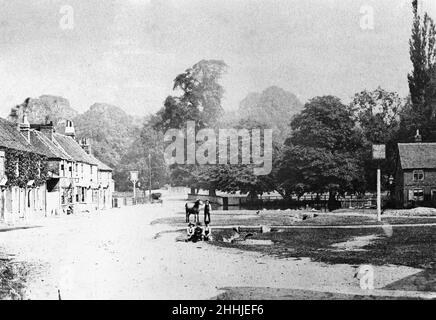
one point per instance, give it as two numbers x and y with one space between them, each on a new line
378 153
134 179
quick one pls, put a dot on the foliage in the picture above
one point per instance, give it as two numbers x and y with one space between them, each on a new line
150 141
377 113
421 113
322 152
112 133
200 102
423 56
110 130
31 166
44 109
240 177
274 107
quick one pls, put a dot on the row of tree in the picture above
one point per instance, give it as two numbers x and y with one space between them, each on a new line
326 146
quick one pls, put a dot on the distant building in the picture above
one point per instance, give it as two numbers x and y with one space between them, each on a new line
415 179
76 180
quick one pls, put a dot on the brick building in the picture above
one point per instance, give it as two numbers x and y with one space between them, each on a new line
415 179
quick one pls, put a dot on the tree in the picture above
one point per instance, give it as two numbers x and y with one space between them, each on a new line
422 54
274 107
240 177
377 113
321 155
421 112
200 102
149 142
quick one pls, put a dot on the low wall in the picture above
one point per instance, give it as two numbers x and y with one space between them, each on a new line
219 200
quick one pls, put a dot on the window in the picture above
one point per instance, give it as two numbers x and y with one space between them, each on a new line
418 175
417 195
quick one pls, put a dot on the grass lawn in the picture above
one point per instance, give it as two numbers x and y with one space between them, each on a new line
12 280
288 218
233 219
408 246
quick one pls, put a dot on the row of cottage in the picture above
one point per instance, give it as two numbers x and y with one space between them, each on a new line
46 173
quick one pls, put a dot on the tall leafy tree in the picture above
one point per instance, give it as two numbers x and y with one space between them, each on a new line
422 113
240 177
321 153
422 54
273 106
200 101
377 114
200 98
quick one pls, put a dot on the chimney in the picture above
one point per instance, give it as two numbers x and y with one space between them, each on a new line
84 143
418 137
47 130
25 128
69 129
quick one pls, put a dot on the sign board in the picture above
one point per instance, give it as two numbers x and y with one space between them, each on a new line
379 151
133 176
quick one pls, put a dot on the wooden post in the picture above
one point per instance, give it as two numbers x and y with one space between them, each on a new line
378 194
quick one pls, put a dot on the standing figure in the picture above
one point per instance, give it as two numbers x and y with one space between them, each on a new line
207 210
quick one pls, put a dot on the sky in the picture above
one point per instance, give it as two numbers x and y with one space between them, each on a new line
128 52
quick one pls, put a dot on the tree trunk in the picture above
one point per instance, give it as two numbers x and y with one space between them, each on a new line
212 192
192 190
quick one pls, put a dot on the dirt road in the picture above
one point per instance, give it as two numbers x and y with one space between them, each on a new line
115 255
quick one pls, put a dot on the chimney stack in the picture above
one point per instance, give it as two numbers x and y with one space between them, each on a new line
25 128
69 129
47 130
84 143
418 137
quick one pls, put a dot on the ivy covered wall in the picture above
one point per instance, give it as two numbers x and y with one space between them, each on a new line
31 166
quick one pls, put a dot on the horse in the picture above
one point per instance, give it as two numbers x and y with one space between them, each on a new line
193 208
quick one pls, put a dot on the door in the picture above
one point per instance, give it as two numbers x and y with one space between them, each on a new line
433 197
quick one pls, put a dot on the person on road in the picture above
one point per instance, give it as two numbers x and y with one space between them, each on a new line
190 231
198 233
207 233
207 211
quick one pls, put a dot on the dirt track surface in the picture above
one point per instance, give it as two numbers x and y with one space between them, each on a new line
115 255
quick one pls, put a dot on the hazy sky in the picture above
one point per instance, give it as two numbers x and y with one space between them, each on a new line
127 53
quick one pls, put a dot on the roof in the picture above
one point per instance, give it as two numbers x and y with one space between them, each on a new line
417 155
101 166
48 147
10 137
73 149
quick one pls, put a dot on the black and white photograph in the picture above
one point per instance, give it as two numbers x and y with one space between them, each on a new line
217 150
